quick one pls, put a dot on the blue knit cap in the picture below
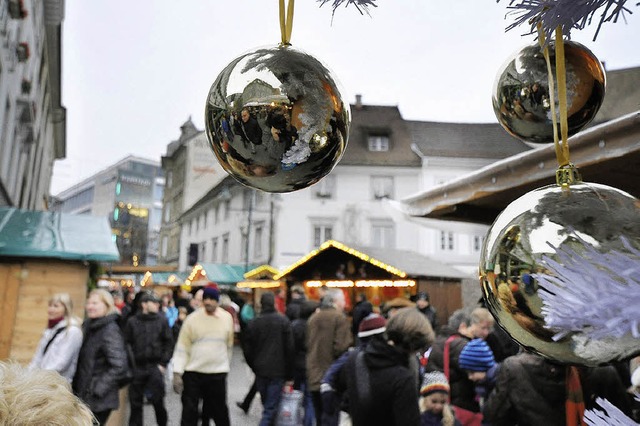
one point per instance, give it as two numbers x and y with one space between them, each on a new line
476 356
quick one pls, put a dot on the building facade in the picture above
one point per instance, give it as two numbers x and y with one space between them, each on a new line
387 158
191 171
130 194
32 118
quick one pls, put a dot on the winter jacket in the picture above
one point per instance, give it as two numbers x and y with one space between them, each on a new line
293 308
328 336
532 391
430 313
463 392
62 353
299 330
102 361
269 346
430 419
150 338
393 392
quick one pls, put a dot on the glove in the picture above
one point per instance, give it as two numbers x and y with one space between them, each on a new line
178 384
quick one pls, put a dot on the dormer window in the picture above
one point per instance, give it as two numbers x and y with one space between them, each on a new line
378 143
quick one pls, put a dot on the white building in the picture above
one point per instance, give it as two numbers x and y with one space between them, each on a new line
387 158
32 119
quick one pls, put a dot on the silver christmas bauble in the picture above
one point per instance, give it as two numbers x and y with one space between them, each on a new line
276 120
559 269
521 98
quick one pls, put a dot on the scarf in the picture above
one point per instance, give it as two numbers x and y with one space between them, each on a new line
53 322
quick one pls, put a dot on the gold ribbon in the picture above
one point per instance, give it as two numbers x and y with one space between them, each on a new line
562 150
286 21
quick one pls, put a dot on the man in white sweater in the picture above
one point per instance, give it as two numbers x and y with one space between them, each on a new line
202 359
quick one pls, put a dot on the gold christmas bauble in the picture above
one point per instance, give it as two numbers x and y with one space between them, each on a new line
276 120
557 272
521 98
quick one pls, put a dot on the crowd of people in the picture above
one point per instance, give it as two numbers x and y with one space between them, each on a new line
387 365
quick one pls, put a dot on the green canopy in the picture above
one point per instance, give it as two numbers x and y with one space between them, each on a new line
37 234
223 273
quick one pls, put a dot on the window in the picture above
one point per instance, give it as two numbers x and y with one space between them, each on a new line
169 179
325 188
167 213
205 218
214 250
382 187
216 214
165 246
446 241
244 247
191 227
322 233
378 143
225 248
478 240
383 235
227 209
246 199
257 242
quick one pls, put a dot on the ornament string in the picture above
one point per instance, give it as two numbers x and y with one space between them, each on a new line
552 89
286 21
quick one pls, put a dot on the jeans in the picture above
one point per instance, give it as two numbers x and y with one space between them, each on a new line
212 389
149 381
270 393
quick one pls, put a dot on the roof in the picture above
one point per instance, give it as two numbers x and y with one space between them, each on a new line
414 264
220 273
379 120
164 278
608 154
391 262
37 234
469 140
622 94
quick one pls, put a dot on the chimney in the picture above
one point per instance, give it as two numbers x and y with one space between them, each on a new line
358 101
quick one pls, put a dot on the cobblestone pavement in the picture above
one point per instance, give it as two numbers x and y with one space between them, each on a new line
238 382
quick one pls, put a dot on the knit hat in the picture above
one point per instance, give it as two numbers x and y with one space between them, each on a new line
434 381
476 356
211 291
372 324
149 296
423 295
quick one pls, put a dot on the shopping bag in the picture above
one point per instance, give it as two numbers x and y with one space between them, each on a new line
290 411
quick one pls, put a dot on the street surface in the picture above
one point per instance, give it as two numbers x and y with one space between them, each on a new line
238 382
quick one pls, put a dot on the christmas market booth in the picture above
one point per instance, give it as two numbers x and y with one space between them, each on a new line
259 280
381 274
43 253
163 279
223 274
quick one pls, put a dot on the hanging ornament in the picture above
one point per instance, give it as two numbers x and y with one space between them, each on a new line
560 267
523 100
275 117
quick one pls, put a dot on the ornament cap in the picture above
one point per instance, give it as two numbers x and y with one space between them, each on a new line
568 175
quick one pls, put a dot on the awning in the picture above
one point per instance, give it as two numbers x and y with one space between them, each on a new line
608 154
171 279
38 234
220 273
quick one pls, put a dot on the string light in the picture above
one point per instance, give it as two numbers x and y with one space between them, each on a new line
346 249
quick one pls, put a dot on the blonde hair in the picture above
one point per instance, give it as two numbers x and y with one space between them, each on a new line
479 315
448 418
65 300
106 298
38 397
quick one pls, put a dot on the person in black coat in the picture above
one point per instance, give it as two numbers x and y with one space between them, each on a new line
151 341
269 353
102 360
381 386
299 329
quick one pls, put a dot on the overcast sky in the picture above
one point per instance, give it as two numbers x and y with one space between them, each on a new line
134 71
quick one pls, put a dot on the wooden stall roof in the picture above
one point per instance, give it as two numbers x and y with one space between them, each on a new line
220 273
172 279
38 234
331 252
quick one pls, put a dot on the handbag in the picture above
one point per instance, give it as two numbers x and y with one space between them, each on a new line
466 417
290 409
